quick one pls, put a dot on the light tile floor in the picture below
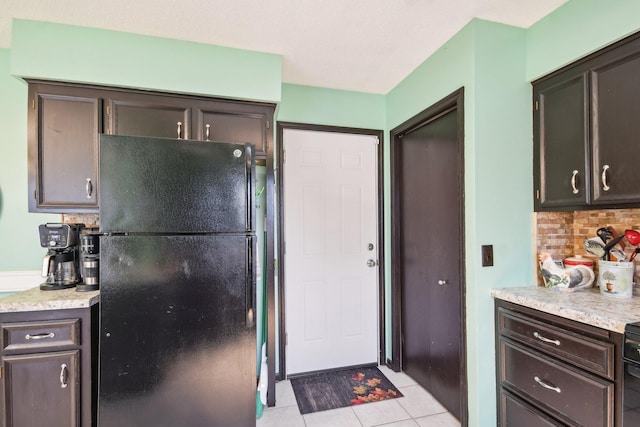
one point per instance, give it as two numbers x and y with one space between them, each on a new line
417 408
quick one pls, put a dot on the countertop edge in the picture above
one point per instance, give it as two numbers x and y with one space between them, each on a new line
36 300
585 307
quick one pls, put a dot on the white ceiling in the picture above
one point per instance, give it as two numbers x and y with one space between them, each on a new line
359 45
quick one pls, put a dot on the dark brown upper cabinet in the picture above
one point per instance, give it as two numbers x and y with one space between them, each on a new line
63 127
586 131
64 122
234 122
561 129
148 115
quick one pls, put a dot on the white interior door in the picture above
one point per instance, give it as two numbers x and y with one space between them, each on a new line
330 216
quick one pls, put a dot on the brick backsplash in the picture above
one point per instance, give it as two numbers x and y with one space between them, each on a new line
562 233
89 220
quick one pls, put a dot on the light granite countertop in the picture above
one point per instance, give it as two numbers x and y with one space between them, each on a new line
35 300
587 306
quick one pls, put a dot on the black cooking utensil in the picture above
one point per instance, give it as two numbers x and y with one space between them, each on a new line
611 244
604 234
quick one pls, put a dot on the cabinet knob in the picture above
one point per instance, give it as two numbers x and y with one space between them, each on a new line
573 181
605 185
207 131
89 188
179 130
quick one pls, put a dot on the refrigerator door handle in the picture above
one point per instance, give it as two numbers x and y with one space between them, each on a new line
250 282
250 318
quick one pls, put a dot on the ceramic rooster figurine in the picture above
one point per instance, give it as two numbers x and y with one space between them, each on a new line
566 279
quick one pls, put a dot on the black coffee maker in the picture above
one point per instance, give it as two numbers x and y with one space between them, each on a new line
61 264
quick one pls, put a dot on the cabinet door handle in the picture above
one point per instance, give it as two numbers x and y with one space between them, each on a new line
207 131
89 188
64 375
39 336
544 339
573 181
179 130
605 185
547 385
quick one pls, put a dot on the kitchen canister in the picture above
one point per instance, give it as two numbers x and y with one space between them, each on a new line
615 279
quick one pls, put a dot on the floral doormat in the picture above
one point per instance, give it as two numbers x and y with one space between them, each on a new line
339 389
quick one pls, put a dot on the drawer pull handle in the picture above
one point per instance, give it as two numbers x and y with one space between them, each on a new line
179 130
63 375
547 386
39 336
547 340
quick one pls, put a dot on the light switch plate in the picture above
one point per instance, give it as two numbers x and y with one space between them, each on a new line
487 255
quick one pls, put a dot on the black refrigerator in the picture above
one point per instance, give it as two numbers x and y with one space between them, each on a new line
177 286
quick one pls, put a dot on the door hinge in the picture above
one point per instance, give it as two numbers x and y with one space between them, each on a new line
108 110
284 156
268 124
0 371
537 194
537 106
33 104
286 339
377 141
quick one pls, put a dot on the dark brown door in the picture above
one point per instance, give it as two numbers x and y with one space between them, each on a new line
429 217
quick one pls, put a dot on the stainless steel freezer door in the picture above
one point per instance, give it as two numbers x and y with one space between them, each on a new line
158 185
176 345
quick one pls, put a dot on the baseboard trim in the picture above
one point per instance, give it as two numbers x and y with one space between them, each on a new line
16 281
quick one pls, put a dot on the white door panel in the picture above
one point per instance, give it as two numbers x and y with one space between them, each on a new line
330 216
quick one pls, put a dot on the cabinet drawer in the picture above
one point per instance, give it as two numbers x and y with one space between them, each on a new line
30 336
516 413
575 396
588 353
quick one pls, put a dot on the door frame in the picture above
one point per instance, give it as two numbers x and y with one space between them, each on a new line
453 101
281 126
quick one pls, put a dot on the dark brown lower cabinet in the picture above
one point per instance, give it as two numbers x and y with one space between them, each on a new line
43 389
49 368
553 371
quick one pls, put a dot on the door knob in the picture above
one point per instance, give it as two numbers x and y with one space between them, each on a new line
372 263
443 282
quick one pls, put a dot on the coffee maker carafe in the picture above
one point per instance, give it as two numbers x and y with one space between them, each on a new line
61 265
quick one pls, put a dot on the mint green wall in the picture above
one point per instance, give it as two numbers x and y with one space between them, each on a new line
306 104
64 52
576 29
19 241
